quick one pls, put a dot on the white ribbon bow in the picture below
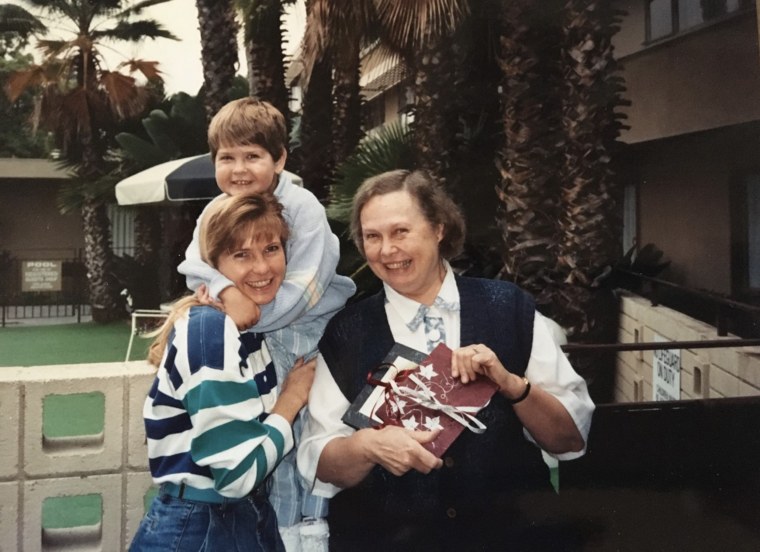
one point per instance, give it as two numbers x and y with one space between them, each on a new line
423 396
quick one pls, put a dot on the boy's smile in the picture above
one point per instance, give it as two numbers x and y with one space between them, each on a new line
247 169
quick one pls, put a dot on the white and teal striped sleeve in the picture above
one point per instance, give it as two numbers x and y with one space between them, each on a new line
225 406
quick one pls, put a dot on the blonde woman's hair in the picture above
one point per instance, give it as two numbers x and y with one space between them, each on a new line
226 225
248 121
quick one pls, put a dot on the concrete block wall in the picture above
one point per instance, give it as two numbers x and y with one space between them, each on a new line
110 465
705 373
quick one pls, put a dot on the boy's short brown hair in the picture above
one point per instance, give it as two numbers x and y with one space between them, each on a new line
248 121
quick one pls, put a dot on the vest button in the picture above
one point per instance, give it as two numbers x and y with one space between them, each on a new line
451 513
448 462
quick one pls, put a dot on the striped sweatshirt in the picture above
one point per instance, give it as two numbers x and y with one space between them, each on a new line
206 414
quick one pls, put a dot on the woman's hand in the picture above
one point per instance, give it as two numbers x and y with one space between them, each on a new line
469 362
399 450
294 393
243 311
346 461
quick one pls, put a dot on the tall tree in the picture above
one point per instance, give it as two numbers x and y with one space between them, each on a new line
219 51
263 46
316 160
340 28
422 32
530 161
16 136
80 99
591 217
335 31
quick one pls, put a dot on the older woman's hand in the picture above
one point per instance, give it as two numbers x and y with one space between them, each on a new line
468 362
399 450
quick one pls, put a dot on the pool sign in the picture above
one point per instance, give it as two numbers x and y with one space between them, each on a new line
41 276
666 373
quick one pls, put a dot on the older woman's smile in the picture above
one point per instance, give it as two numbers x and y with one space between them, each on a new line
398 264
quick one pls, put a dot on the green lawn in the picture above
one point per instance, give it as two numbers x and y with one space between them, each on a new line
68 344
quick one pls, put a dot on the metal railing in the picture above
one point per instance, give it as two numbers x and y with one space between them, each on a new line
712 308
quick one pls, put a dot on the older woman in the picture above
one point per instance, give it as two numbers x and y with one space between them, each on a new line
396 495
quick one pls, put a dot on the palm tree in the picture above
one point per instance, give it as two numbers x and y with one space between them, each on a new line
80 99
335 31
315 158
530 161
591 193
219 57
339 29
263 45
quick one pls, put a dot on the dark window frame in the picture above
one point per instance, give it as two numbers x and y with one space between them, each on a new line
675 13
739 221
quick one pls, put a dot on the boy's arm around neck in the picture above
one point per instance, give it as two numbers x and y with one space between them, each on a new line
196 271
312 252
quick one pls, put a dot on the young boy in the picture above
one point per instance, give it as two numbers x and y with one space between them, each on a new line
247 140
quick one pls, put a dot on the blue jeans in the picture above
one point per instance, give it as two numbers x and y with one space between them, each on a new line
180 525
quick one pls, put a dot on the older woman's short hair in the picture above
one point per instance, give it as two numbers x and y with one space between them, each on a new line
436 205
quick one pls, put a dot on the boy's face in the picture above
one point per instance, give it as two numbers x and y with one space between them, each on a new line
247 169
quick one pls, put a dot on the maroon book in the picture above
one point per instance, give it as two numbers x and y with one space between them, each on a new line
423 396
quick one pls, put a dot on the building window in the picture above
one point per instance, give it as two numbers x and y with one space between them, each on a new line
753 231
670 17
374 112
629 217
745 237
660 17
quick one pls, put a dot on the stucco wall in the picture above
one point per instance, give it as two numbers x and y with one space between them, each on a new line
684 188
701 79
30 220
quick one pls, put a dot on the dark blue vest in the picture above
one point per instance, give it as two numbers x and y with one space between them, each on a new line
482 474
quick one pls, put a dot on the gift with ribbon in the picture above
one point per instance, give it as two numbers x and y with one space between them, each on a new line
419 393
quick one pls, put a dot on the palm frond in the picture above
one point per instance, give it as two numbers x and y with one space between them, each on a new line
22 80
52 48
133 31
149 69
410 24
125 97
138 8
388 149
16 20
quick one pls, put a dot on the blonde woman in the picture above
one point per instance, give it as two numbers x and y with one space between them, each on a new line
216 419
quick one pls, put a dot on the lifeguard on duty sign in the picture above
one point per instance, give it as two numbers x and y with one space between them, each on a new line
666 373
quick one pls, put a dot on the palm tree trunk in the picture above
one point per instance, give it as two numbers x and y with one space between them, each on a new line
530 161
98 257
347 100
263 43
147 292
316 158
434 88
591 220
219 49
